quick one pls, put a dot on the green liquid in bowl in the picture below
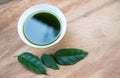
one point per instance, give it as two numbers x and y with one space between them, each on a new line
41 28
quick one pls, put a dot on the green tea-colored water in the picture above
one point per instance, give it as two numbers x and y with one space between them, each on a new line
41 28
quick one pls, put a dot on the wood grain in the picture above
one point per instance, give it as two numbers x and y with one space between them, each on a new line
92 25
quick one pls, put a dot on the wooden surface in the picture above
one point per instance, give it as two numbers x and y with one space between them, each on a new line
92 25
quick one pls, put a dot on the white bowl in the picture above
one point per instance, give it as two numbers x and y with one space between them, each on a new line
42 8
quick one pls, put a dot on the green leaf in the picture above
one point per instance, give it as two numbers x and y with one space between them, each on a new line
49 61
69 56
32 62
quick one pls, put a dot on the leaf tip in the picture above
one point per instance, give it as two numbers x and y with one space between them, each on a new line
57 68
45 74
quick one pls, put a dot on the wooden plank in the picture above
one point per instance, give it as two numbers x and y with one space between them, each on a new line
92 25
